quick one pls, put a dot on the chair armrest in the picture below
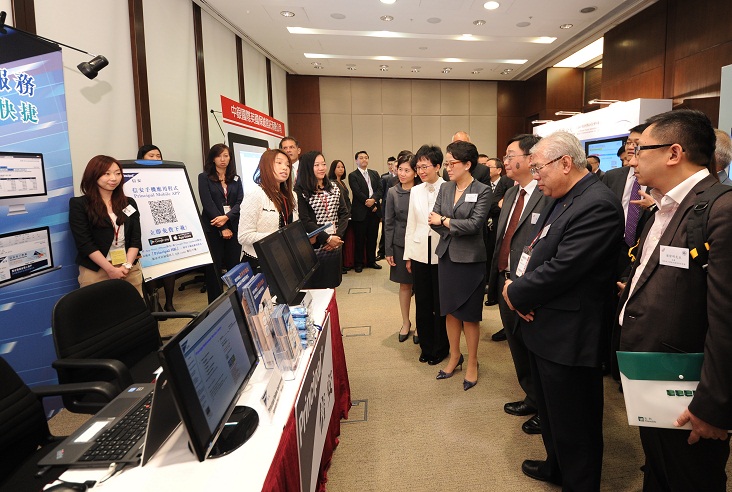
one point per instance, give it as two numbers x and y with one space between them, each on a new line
114 367
103 388
173 314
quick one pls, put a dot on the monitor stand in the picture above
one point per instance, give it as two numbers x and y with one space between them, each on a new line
298 298
241 425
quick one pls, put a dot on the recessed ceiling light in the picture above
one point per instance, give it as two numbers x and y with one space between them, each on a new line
523 24
287 13
415 70
588 10
384 68
508 70
434 20
447 70
479 22
388 2
579 58
491 5
338 16
475 72
318 67
566 26
386 18
353 68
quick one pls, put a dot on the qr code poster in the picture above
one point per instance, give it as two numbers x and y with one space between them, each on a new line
171 228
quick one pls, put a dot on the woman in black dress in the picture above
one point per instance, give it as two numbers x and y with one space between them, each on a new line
337 174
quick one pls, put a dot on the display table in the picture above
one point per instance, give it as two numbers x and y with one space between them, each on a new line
269 460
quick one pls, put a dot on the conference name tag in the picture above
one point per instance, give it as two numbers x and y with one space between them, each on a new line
129 210
471 197
534 217
117 256
675 257
523 262
544 231
227 209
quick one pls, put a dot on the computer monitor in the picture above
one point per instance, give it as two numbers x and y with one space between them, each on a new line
25 254
607 150
288 260
208 364
22 180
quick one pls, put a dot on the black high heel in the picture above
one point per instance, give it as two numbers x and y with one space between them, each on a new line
403 338
446 375
469 384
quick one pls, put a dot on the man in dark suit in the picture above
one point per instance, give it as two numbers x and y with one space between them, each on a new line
562 282
366 187
481 173
522 206
593 161
671 306
387 180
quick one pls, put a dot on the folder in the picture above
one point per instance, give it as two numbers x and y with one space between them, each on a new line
658 386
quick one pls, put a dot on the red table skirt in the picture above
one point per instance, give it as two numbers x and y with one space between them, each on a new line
284 472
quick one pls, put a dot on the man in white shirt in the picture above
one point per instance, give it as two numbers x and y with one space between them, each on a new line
366 188
290 146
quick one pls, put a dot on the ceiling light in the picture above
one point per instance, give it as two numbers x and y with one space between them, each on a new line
566 26
388 2
315 64
384 68
338 16
479 22
350 57
566 113
447 70
540 122
318 67
508 70
434 20
587 54
544 40
602 101
386 18
491 5
351 68
475 72
287 13
415 70
588 10
523 24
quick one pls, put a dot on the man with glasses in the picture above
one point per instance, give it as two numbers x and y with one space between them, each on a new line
518 217
562 281
678 306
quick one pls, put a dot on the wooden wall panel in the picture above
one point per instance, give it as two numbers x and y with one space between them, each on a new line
647 84
306 129
564 87
303 94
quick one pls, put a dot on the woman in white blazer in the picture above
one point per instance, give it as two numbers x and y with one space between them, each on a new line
269 206
420 242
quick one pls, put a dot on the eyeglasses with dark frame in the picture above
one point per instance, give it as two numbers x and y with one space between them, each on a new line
638 148
507 158
535 169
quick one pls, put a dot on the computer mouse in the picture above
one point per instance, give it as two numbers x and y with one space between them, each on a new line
67 487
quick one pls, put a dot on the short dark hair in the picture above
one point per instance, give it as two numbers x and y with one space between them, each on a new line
355 156
638 128
464 152
288 137
593 156
692 130
499 162
525 141
483 155
391 159
430 152
621 150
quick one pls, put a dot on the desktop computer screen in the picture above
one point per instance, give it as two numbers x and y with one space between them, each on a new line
22 180
208 364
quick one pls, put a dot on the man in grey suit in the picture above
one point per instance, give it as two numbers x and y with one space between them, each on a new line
723 156
522 206
563 280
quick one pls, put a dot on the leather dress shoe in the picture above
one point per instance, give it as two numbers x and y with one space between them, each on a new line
436 360
519 408
499 336
359 269
375 266
535 470
490 303
532 426
423 358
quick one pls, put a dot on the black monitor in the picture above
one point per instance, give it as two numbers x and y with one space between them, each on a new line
288 260
208 364
607 150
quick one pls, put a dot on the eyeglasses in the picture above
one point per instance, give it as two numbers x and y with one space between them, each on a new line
638 148
507 158
423 168
535 169
449 164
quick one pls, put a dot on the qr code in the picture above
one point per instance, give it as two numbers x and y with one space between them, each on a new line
163 211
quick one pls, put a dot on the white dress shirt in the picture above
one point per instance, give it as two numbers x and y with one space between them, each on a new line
422 200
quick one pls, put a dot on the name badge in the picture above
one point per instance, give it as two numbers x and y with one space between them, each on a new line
227 209
675 257
534 217
545 231
330 229
129 210
117 256
523 262
471 197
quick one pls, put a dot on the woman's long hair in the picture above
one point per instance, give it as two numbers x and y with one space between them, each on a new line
96 208
209 167
279 193
332 171
307 183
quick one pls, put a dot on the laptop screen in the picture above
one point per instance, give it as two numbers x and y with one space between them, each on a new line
24 253
208 364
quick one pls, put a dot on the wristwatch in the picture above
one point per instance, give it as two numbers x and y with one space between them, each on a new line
127 265
442 220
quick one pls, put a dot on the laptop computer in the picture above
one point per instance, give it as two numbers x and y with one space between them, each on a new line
129 430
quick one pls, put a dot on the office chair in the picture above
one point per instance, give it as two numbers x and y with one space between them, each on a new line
24 434
105 332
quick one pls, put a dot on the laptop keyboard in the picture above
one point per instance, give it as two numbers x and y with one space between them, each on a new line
114 443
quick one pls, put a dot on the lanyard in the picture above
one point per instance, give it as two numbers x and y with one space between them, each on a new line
324 200
116 235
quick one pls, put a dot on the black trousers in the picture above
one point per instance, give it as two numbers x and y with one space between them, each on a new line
673 465
430 325
570 402
365 232
519 352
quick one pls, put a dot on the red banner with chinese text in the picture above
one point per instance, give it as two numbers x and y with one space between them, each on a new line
237 114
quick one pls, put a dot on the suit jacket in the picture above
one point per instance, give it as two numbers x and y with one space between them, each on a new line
387 181
464 238
504 183
600 173
213 201
90 238
675 309
396 209
481 173
359 210
570 275
723 176
525 232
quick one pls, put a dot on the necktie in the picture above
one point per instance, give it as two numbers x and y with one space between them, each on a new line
368 183
512 224
631 223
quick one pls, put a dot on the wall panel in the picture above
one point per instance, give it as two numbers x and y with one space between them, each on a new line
426 97
395 96
454 97
483 98
338 139
335 95
426 130
397 134
368 135
366 96
255 78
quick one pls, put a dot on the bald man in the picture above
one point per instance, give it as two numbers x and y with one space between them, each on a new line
481 173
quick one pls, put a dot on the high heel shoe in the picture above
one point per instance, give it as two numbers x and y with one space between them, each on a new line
403 338
469 384
446 375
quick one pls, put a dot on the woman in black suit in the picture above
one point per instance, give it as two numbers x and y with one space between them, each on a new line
337 175
458 217
105 225
221 193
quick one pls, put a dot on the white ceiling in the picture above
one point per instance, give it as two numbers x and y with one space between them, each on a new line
428 34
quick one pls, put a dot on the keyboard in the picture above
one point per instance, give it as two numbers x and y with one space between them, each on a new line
114 443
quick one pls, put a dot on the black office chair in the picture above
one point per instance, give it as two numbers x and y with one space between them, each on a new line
105 332
24 434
